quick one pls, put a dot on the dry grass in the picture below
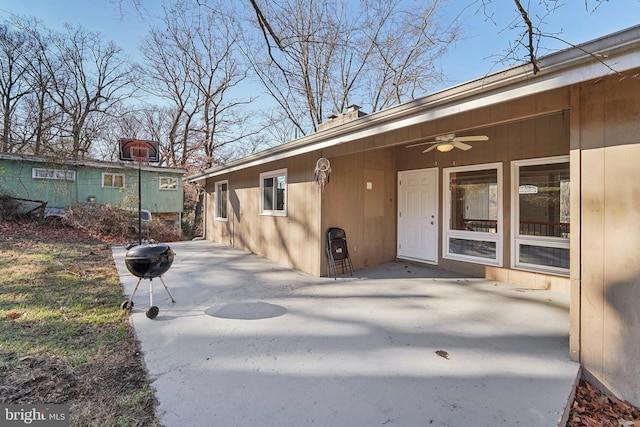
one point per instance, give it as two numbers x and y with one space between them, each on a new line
63 338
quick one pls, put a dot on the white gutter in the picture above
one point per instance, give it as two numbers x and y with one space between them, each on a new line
619 51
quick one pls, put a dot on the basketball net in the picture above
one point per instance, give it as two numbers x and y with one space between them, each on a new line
139 154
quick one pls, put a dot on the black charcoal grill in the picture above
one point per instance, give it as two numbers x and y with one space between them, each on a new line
148 262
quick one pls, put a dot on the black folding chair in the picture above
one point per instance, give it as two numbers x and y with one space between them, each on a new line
337 251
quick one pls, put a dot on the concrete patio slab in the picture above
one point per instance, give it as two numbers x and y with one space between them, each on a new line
250 342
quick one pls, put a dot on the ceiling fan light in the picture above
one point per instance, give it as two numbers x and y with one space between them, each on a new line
443 148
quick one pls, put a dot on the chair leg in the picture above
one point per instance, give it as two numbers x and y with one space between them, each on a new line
331 264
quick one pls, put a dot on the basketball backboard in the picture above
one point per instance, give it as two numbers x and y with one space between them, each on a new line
139 150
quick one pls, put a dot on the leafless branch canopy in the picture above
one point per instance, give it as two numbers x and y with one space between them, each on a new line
318 57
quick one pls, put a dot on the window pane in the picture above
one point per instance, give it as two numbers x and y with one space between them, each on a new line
222 200
474 248
474 200
118 181
544 256
267 195
280 192
544 200
107 180
168 183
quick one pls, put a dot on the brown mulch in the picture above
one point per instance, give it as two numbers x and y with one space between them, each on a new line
593 408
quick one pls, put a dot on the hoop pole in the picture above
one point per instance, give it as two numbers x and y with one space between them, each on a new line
139 206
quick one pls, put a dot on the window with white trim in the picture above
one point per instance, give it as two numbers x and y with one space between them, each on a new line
273 193
168 183
222 200
59 174
112 180
472 213
541 224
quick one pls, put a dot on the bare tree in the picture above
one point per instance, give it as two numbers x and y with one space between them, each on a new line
530 27
14 86
40 120
318 57
88 77
167 71
193 63
216 70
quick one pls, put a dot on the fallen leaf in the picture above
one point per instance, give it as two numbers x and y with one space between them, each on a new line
443 354
12 315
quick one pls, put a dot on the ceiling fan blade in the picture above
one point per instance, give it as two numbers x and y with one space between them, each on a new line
471 138
421 143
461 145
430 148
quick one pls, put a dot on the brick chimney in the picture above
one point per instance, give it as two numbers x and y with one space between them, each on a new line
353 113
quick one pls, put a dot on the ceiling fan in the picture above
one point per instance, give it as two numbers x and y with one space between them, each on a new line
445 143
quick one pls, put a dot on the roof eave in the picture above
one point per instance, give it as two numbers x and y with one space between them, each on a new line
616 46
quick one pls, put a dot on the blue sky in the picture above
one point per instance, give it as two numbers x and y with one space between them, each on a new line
473 56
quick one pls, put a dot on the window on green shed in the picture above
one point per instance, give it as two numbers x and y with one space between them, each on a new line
168 183
40 173
111 180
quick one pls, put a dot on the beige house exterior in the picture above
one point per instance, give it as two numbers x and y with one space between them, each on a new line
550 200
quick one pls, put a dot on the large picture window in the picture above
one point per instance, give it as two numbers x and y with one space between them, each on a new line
473 214
222 200
273 193
541 220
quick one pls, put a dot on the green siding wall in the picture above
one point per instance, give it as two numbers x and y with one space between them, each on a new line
16 179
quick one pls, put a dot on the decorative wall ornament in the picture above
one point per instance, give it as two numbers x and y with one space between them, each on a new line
322 172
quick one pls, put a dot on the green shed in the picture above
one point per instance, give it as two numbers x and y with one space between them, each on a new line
62 183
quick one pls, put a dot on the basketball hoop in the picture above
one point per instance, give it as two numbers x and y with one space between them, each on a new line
139 151
321 172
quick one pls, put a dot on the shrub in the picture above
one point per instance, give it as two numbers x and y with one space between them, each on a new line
118 223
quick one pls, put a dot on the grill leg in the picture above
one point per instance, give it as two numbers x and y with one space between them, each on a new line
128 304
167 288
150 292
134 291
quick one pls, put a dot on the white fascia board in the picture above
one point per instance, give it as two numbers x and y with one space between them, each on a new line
620 51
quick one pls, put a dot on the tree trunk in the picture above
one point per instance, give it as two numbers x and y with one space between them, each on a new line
197 217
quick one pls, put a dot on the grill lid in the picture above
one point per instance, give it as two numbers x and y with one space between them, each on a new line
148 261
148 251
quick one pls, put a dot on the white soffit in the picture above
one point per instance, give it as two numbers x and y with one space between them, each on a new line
619 51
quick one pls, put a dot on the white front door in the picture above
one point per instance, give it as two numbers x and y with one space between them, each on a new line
418 215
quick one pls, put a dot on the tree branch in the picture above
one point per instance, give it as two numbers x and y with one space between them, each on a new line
530 47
